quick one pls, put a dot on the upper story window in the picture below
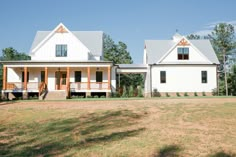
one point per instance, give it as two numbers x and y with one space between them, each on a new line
61 50
183 53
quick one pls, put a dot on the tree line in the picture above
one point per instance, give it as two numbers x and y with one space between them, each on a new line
223 41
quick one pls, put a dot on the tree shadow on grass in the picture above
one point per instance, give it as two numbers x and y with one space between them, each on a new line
56 137
222 154
6 102
168 151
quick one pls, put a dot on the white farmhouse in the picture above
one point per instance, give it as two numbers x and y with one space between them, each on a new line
62 62
65 63
180 65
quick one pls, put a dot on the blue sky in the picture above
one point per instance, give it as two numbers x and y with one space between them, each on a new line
124 20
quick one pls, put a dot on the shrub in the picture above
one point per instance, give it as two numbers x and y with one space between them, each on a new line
195 94
125 94
167 95
103 96
203 93
185 94
214 92
96 96
140 91
156 93
131 91
177 94
115 95
73 96
89 96
81 96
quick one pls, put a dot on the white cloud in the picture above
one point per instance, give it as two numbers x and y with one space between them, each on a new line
210 26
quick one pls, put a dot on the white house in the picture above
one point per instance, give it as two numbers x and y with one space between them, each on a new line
65 63
180 65
62 62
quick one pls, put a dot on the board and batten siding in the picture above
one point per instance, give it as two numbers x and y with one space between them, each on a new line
184 78
194 56
75 49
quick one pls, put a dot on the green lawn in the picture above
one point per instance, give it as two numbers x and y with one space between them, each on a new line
142 127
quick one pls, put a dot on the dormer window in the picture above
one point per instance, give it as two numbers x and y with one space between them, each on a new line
61 50
183 53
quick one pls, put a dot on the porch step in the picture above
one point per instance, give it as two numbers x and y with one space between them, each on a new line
53 95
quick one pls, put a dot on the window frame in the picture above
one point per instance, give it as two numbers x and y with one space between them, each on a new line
183 53
162 76
97 76
61 50
42 76
204 76
23 76
75 76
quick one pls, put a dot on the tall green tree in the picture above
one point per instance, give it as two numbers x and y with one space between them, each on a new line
9 54
193 37
232 80
119 54
222 38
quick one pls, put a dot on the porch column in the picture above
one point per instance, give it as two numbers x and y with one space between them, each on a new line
4 80
25 93
68 81
88 76
46 76
25 78
109 77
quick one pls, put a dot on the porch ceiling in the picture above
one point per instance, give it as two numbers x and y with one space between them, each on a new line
132 68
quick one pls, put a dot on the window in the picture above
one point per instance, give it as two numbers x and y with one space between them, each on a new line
163 76
183 53
77 76
98 76
42 76
61 50
204 76
23 76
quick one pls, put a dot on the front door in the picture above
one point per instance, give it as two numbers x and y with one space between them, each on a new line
60 80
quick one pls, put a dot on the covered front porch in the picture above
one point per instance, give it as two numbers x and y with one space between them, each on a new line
73 77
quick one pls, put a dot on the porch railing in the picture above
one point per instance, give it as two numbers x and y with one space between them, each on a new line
20 86
15 86
84 85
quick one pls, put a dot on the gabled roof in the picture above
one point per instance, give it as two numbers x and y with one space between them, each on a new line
156 49
93 40
206 48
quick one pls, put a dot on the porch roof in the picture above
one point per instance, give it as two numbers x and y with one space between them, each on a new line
30 63
131 68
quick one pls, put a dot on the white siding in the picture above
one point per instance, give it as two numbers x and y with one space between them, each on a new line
75 49
113 79
184 78
194 56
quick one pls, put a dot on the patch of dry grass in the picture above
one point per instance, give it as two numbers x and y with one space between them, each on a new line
144 127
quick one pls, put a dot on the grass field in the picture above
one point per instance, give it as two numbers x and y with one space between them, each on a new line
139 128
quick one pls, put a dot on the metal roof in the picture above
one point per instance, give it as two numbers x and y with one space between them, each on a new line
93 40
156 49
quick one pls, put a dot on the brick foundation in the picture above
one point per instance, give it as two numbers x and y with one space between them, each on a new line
174 94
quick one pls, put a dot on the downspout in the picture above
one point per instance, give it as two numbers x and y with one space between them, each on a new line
150 78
